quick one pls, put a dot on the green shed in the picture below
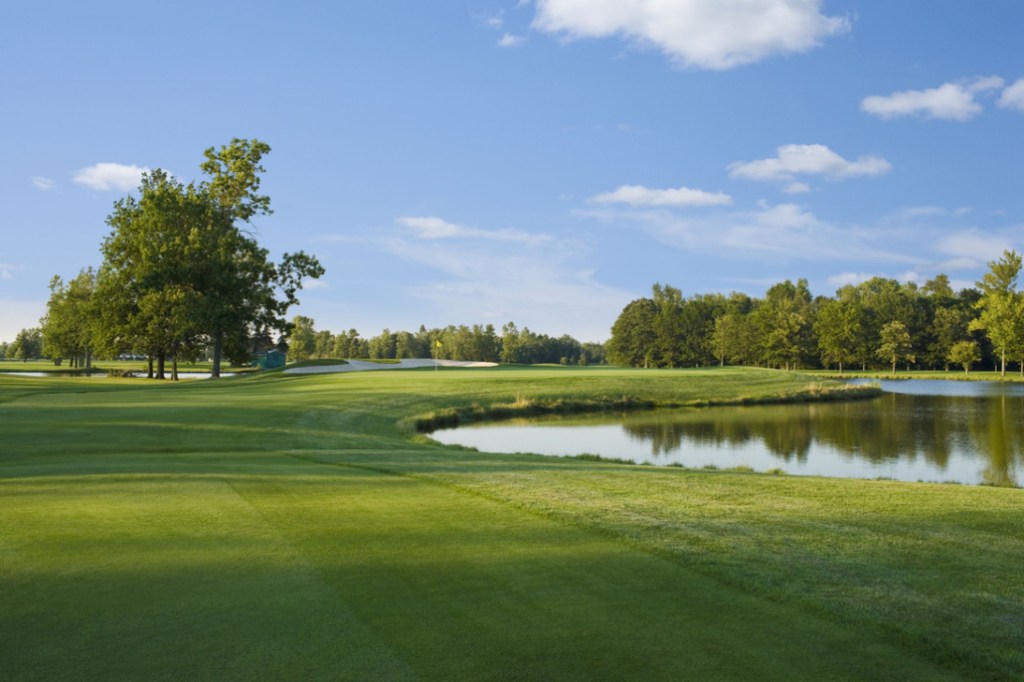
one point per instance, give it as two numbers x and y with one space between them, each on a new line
271 359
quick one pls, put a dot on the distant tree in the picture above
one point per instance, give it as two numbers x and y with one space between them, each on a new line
949 326
510 343
27 345
938 288
1001 311
633 336
785 321
302 339
726 335
69 325
697 327
409 346
895 344
593 354
669 326
382 346
323 344
965 353
838 329
350 345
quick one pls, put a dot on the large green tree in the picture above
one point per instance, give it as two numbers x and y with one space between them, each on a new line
248 291
191 247
156 244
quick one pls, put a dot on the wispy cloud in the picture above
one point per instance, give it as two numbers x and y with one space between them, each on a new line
432 227
547 286
979 246
807 159
310 284
41 183
843 279
637 195
1013 96
511 40
912 244
950 101
110 176
788 233
708 34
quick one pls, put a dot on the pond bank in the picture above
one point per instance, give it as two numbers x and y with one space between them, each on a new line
524 407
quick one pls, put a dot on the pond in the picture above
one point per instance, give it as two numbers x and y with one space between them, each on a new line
936 431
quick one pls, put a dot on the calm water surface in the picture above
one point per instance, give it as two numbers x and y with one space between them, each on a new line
945 431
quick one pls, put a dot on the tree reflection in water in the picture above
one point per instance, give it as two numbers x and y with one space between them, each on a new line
930 431
892 429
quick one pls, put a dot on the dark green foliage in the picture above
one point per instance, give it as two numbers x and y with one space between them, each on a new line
27 345
789 329
180 273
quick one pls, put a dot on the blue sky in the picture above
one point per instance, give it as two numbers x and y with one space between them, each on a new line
545 162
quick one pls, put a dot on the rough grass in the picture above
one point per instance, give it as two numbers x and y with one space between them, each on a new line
285 527
954 374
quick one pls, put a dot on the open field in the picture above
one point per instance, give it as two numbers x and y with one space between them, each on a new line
296 527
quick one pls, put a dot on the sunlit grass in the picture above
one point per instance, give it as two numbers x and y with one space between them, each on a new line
286 527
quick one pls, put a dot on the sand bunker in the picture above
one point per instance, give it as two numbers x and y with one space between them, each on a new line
363 366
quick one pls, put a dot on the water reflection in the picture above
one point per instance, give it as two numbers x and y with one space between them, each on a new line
905 436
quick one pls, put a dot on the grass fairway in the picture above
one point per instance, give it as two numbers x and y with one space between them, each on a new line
293 527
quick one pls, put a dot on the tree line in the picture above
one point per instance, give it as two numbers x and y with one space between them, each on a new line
880 323
481 343
182 274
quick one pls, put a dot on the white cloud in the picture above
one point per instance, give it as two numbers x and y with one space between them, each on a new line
807 159
974 245
779 234
846 278
110 176
710 34
797 188
957 264
432 227
949 101
543 286
1013 96
637 195
7 272
42 183
510 40
310 284
784 230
